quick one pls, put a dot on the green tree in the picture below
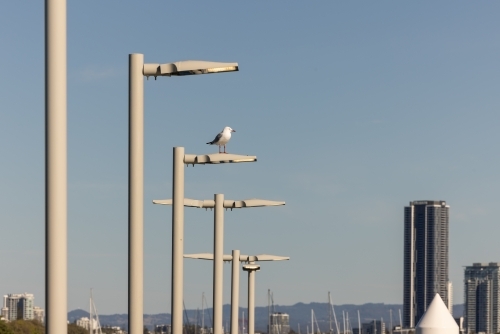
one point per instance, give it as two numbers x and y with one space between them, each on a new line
74 329
26 327
4 328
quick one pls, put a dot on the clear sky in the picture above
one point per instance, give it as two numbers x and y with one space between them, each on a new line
353 109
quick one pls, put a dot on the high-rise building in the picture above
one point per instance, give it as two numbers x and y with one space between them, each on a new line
19 306
482 300
425 258
280 323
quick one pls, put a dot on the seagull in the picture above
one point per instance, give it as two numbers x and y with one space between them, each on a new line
222 138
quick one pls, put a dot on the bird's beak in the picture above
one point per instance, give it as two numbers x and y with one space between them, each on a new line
233 130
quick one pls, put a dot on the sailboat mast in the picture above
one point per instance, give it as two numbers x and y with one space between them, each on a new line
359 323
347 320
312 321
334 315
330 313
243 324
343 319
268 311
196 321
390 328
90 312
400 321
203 312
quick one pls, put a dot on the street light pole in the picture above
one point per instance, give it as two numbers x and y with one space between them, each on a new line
177 240
136 195
218 261
137 70
235 291
251 268
56 189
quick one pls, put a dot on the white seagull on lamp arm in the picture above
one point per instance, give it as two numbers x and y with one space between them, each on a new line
222 138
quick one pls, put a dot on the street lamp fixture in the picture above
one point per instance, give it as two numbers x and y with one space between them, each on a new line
137 71
187 67
251 267
217 158
218 204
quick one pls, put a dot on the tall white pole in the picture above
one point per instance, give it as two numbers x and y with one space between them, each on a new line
56 245
218 261
251 302
136 194
178 240
235 291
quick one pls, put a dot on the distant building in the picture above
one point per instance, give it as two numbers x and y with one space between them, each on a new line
280 323
38 314
373 327
482 300
85 322
5 309
18 307
425 258
163 329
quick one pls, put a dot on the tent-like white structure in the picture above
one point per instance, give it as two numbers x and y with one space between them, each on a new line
437 319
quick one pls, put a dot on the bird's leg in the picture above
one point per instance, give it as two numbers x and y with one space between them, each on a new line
225 149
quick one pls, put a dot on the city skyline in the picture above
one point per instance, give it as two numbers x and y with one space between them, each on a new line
397 102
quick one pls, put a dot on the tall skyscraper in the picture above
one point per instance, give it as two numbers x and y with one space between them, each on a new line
482 300
425 258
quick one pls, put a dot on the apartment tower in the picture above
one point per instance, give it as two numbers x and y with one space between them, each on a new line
482 300
425 258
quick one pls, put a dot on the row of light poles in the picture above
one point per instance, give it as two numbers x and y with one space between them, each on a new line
219 204
251 268
56 176
138 69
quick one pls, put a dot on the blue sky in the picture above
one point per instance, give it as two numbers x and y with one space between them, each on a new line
353 109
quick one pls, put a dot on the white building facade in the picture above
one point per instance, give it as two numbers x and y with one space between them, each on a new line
18 307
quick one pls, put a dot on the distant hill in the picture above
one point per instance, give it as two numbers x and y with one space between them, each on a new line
300 313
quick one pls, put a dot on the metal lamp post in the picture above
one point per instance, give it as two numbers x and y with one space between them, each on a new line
251 269
137 71
178 202
56 166
235 282
219 204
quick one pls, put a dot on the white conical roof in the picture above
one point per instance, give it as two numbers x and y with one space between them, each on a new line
437 319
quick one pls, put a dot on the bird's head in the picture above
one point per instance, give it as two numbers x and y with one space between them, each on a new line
228 129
